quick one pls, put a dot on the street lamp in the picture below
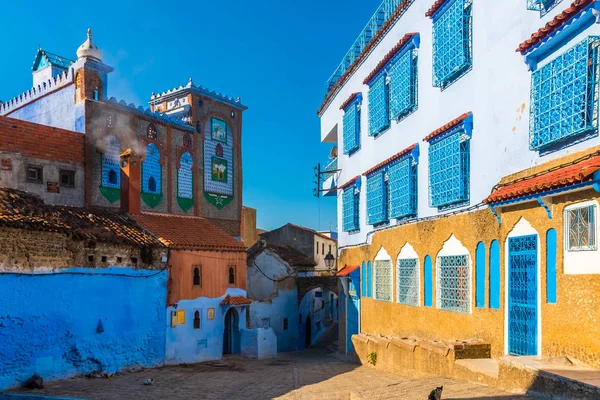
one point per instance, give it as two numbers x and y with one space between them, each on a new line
329 260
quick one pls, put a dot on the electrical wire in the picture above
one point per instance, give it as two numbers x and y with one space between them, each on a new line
294 272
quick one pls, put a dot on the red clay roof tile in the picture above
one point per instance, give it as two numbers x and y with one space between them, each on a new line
350 182
405 39
392 158
235 301
350 100
449 125
433 9
551 26
347 270
190 233
577 173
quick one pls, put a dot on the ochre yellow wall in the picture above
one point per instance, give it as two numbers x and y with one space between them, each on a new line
570 327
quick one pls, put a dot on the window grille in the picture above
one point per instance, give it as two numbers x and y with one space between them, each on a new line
407 281
403 85
383 280
580 224
379 116
402 179
350 201
454 284
377 198
152 171
564 96
452 43
449 169
351 127
543 6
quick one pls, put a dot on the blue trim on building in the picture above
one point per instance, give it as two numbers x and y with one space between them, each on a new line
551 266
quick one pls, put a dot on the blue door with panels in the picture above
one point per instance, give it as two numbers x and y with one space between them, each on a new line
352 311
522 295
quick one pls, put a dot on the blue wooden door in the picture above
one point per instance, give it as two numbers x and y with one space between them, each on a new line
522 295
352 311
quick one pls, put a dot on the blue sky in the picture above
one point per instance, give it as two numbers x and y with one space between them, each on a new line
275 55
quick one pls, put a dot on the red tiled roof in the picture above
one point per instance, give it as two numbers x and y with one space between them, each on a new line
389 56
449 125
392 158
577 173
235 301
398 12
551 26
190 233
347 270
350 182
350 100
433 9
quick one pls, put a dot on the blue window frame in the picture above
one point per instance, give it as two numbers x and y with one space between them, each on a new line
452 42
369 279
379 115
402 179
363 280
543 6
403 85
428 285
350 200
454 283
449 167
377 198
351 126
564 96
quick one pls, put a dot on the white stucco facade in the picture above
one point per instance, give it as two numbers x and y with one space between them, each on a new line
496 91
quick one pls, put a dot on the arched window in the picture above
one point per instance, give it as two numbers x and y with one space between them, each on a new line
219 150
112 177
453 278
151 132
407 276
187 140
197 319
494 275
110 162
480 266
152 171
197 276
184 177
383 276
231 275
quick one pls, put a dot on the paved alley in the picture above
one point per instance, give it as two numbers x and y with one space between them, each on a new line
310 374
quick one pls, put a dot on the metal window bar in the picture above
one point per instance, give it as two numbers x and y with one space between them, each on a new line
350 204
581 228
402 179
454 283
379 116
403 85
351 128
381 15
407 281
564 96
377 198
452 43
383 280
330 169
449 169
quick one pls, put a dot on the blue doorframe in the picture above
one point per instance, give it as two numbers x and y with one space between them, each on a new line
523 295
352 312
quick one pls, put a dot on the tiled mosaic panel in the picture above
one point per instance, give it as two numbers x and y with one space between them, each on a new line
219 130
581 223
449 170
451 42
378 106
111 162
407 281
403 85
376 198
351 127
522 295
383 280
454 283
402 179
151 170
563 96
350 210
185 177
210 146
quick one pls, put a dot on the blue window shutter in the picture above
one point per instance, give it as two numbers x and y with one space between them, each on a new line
428 272
480 275
403 85
369 280
551 266
449 169
376 198
495 275
351 128
350 205
363 279
379 116
403 188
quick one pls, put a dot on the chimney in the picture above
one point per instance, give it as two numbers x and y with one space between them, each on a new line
130 181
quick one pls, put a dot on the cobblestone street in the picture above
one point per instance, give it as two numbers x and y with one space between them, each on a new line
310 374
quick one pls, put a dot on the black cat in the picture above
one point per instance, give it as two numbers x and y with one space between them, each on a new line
436 394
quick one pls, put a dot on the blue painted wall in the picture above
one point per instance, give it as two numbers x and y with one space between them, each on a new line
284 305
49 323
186 345
352 313
321 317
57 109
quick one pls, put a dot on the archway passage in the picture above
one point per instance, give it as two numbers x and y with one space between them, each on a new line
308 332
308 283
231 332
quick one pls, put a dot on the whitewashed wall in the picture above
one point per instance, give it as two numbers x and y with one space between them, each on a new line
494 90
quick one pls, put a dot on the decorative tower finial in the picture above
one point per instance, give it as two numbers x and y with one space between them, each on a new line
90 33
88 49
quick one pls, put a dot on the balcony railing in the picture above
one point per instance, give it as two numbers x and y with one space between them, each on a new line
332 166
383 13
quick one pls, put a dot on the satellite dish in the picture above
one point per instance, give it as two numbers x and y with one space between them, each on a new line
334 152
